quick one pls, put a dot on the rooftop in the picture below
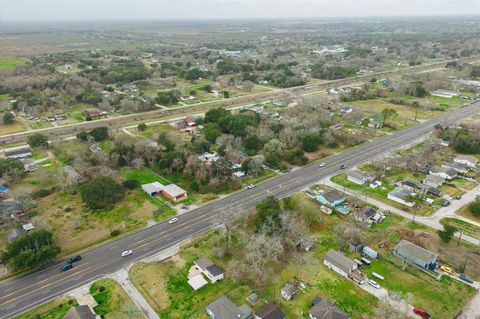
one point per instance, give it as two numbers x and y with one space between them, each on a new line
224 308
415 251
339 260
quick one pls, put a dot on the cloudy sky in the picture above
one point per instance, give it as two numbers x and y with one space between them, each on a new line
43 10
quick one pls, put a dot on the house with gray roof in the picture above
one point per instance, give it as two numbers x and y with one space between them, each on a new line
469 160
415 254
447 173
209 269
365 214
10 211
433 181
269 311
358 177
19 153
339 263
400 195
224 308
288 292
324 309
80 312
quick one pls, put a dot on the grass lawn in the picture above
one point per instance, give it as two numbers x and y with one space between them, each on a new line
10 62
465 212
467 228
376 106
143 175
11 128
54 309
75 112
113 301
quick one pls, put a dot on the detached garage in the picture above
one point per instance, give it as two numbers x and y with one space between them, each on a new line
152 188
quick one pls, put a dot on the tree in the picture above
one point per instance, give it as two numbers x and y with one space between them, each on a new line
82 136
142 127
131 184
388 114
101 193
222 168
211 132
447 233
268 216
99 133
11 168
8 118
37 140
29 250
310 142
214 115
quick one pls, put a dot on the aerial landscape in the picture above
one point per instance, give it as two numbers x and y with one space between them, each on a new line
223 159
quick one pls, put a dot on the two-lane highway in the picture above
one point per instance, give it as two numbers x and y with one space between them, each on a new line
19 294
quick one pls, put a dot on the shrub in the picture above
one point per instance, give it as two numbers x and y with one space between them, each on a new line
131 184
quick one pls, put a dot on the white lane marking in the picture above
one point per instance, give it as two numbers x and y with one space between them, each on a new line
41 276
45 292
11 306
113 247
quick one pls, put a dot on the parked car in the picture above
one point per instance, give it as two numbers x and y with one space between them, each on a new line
66 267
73 259
374 284
466 279
448 270
126 253
173 220
422 313
321 165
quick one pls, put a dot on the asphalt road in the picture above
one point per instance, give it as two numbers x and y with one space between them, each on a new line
22 293
119 121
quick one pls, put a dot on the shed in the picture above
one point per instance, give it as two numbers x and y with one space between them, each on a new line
197 282
152 188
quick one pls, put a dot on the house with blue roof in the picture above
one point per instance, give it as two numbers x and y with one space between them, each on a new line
333 199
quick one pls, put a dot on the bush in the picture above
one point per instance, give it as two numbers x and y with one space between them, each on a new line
142 127
115 233
8 118
99 133
131 184
474 207
43 192
82 136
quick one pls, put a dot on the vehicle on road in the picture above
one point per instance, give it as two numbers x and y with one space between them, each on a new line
126 253
343 166
73 259
422 313
374 284
173 220
321 165
66 267
250 186
448 270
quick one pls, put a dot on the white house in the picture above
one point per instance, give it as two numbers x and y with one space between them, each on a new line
339 263
359 178
469 160
209 269
288 292
400 195
447 173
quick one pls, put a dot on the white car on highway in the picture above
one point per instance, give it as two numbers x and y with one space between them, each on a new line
321 165
173 220
126 253
250 186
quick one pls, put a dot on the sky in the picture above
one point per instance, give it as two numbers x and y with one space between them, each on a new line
51 10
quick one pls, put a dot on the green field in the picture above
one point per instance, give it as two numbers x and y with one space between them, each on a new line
54 309
10 62
113 301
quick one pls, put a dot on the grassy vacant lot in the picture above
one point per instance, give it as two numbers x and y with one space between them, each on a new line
467 228
404 112
113 301
10 62
54 309
465 212
153 131
75 112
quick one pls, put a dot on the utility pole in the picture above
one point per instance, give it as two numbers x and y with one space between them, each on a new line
459 237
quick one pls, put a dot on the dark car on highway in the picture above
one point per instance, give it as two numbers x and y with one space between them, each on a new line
74 259
66 267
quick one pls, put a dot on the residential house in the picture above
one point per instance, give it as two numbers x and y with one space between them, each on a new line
61 116
10 211
80 312
332 198
270 311
469 160
95 114
438 142
339 263
412 186
434 192
358 177
19 153
344 109
307 244
51 118
447 173
209 269
433 181
190 121
415 254
365 215
458 167
288 292
224 308
208 158
323 309
400 195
